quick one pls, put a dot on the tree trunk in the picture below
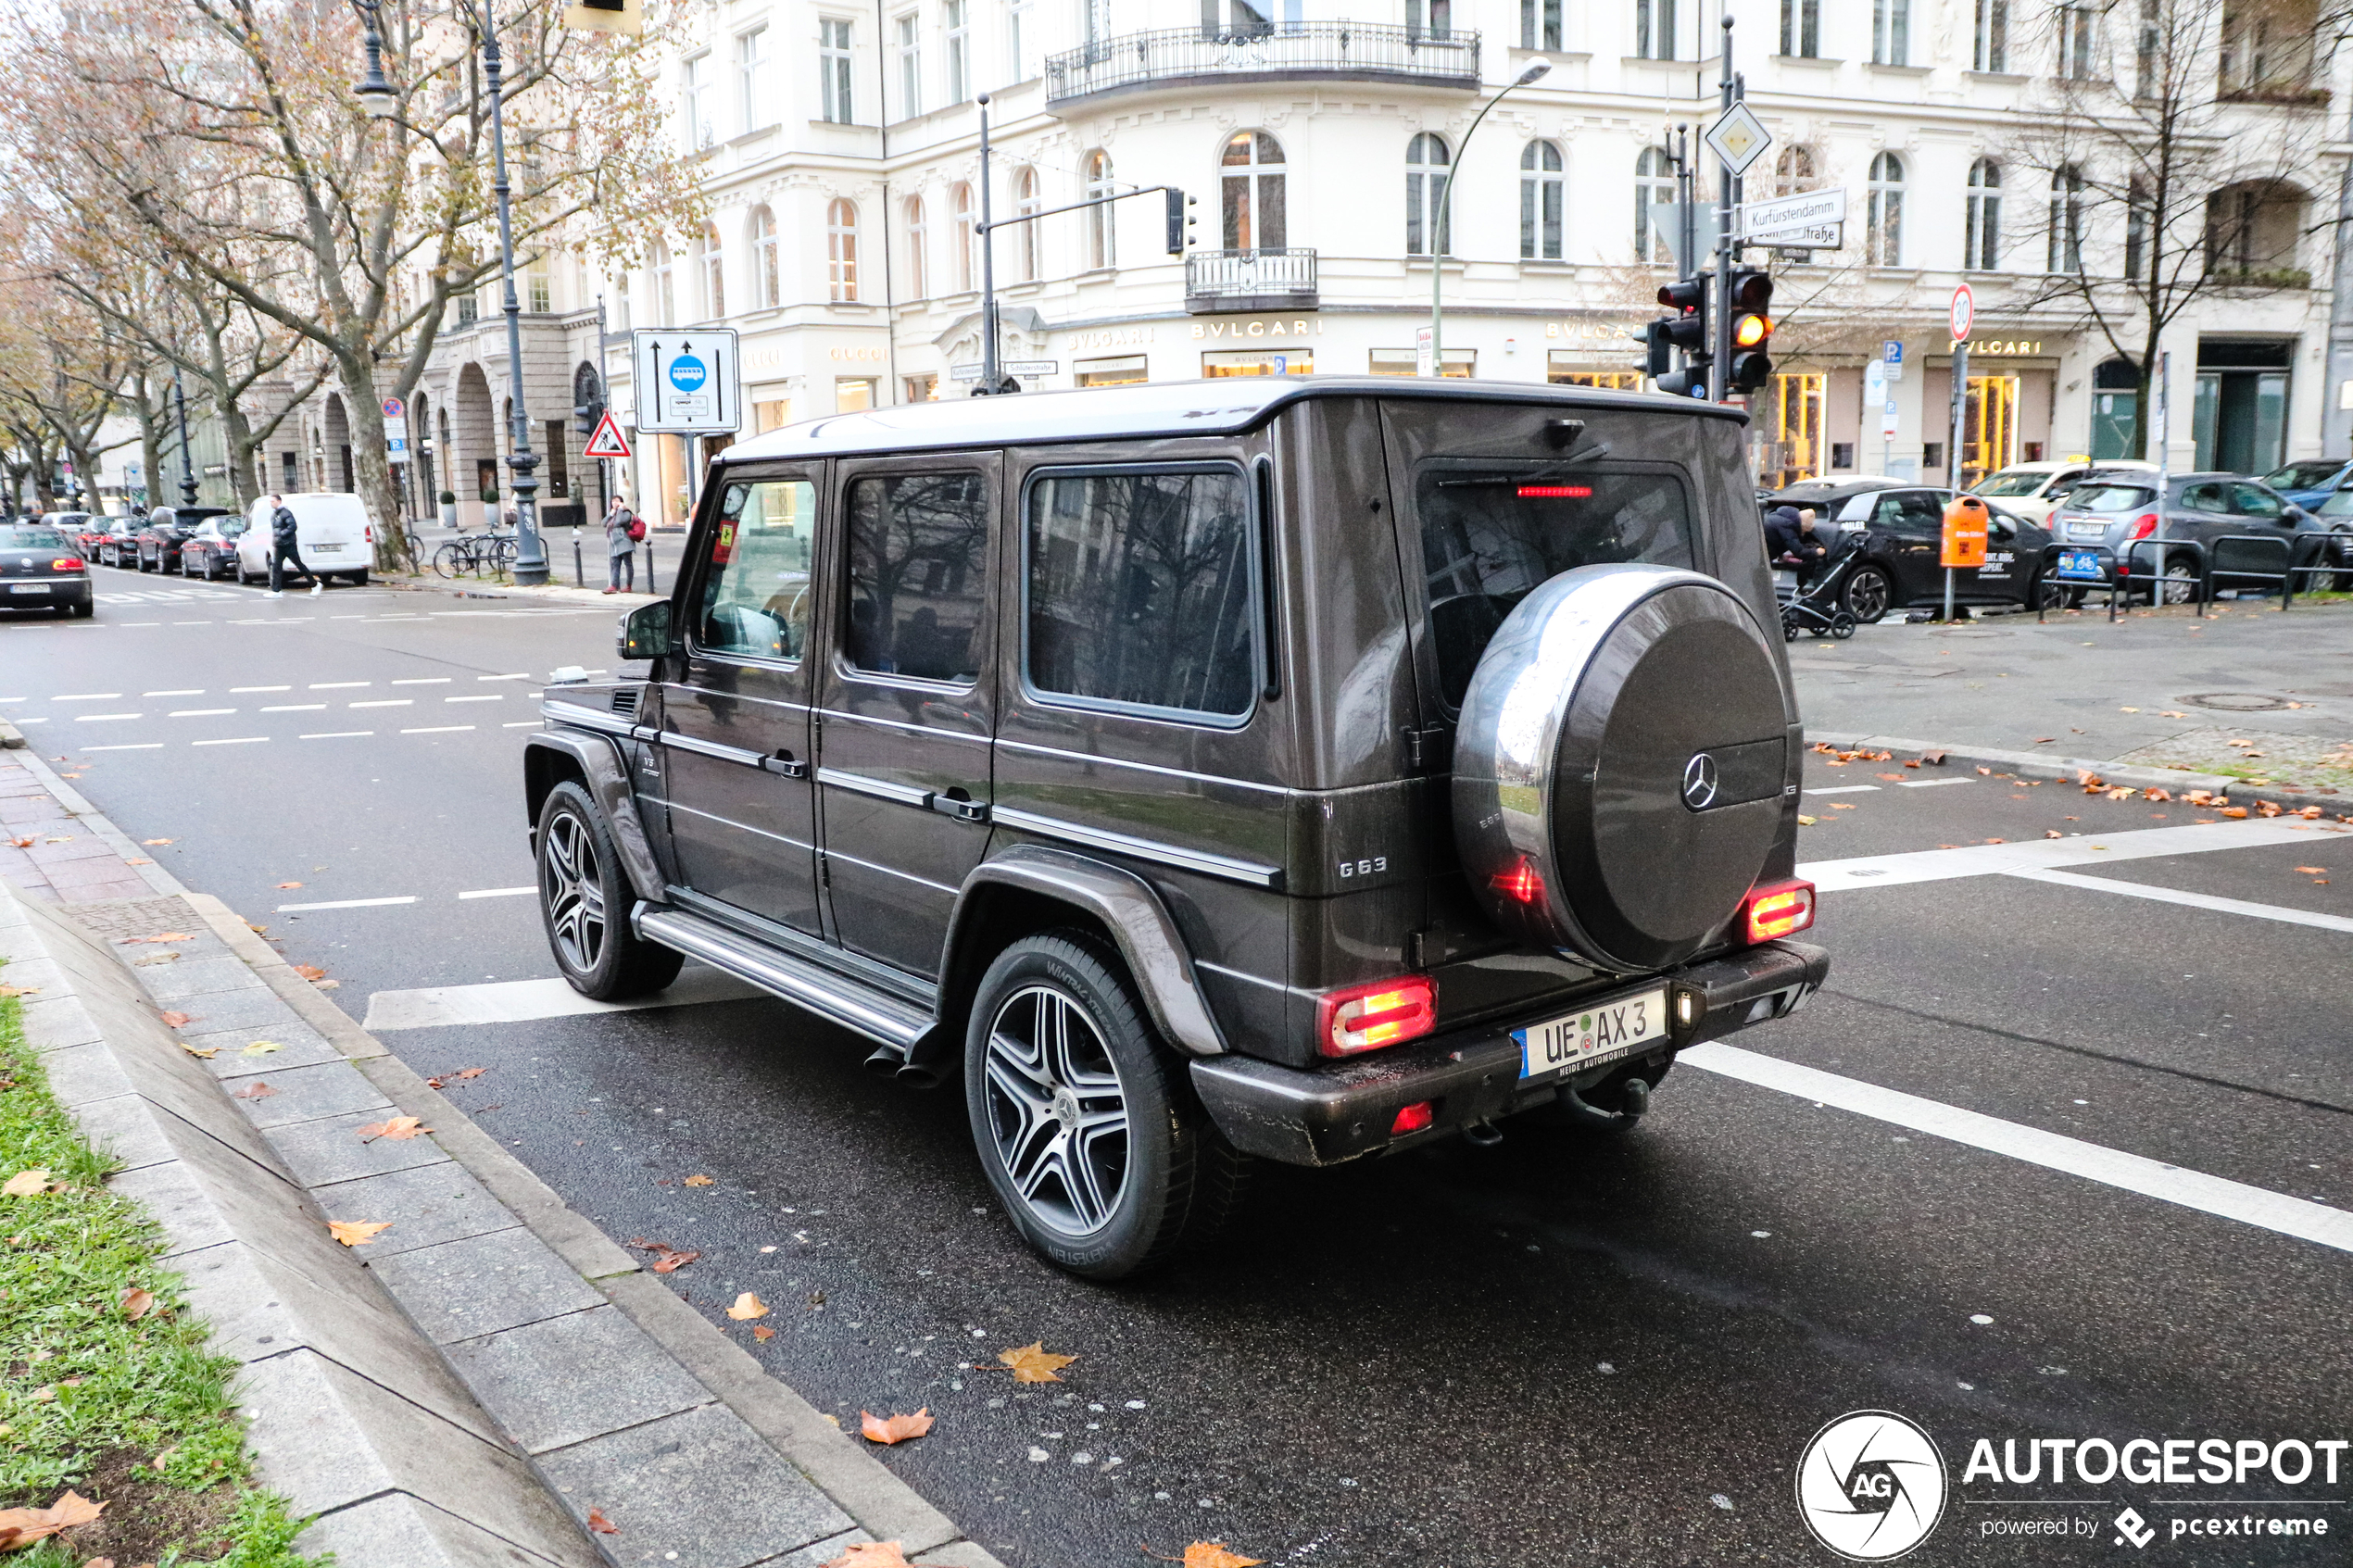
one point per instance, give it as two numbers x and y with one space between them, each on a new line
372 468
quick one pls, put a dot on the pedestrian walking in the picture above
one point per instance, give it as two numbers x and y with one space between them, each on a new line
621 532
283 533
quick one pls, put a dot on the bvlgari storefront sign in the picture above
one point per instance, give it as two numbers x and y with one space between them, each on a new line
1583 339
1261 327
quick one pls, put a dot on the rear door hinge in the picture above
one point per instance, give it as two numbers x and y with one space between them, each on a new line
1424 747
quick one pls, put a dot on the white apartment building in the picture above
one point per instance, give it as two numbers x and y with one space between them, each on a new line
841 140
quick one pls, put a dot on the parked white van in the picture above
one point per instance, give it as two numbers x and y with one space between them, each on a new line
331 536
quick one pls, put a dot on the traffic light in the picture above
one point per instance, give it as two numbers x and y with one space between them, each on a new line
1689 382
1179 221
1751 304
585 416
1658 350
1686 330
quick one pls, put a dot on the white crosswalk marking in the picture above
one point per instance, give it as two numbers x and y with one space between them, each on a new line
2091 849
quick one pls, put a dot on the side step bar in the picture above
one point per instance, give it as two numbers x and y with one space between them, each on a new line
899 1024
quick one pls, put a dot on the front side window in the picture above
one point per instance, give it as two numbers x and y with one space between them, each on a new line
1140 590
918 579
2253 500
1492 532
755 586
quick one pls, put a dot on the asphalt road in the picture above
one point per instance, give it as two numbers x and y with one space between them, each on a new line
1558 1349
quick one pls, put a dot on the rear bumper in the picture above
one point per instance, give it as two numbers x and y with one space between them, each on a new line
73 590
1326 1116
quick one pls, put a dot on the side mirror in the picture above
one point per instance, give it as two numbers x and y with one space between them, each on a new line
645 632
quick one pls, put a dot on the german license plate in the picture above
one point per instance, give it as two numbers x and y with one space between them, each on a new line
2084 564
28 588
323 549
1601 1032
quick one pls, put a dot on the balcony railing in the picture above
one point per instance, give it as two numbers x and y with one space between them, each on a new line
1183 56
1221 281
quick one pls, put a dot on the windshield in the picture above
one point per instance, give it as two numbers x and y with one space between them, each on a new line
2339 504
2098 498
2304 475
22 538
2013 482
1492 532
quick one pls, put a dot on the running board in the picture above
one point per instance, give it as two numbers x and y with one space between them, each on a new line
876 1014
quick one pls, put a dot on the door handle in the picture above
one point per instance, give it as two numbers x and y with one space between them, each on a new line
965 810
783 763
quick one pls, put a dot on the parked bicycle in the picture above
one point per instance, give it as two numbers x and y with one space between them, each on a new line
473 555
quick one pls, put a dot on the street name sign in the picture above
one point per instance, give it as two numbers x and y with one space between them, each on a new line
1738 138
608 442
1806 212
686 379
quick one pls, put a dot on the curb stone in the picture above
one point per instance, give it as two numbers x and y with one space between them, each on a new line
421 1438
2041 765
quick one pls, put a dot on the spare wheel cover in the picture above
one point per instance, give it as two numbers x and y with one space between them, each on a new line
1621 764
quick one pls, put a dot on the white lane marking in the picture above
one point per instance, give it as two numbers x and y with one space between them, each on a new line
522 675
143 745
499 893
38 719
1931 783
524 725
1847 789
185 691
88 697
335 685
2033 854
102 718
234 740
422 681
388 702
233 690
2111 1167
517 1001
348 904
487 696
2192 900
293 707
197 712
338 734
437 730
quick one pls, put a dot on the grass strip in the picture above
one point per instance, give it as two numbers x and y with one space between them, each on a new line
118 1398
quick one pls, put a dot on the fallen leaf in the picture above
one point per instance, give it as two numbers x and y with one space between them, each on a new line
176 1019
393 1127
310 971
463 1073
1933 759
2053 833
24 1183
1997 841
697 1181
2122 792
2311 813
2128 711
2039 740
24 843
1985 772
1807 822
2313 870
1896 777
2235 811
135 859
157 841
205 1053
870 1554
2170 713
667 1259
1034 1363
20 990
253 1091
2155 795
290 885
155 959
137 1303
747 1306
22 1526
260 1047
1842 806
356 1233
761 1331
602 1526
1213 1554
897 1429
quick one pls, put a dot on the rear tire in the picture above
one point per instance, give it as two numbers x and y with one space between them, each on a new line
84 610
585 898
358 579
1082 1117
1869 594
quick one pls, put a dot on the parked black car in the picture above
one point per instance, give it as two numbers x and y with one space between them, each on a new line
41 569
1899 533
168 528
120 545
209 549
1098 752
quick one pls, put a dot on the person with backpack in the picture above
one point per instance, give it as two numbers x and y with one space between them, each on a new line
624 528
284 540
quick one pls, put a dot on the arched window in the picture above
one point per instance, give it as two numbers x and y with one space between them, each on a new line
1544 193
1026 203
1883 236
767 280
2067 220
918 253
1981 240
714 273
1793 170
967 263
842 249
1424 187
1102 240
665 300
1653 188
1251 186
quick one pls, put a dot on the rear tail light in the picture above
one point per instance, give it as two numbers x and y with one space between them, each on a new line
1779 909
67 563
2145 525
370 533
1414 1118
1365 1018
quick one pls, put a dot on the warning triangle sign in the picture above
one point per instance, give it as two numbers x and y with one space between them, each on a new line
607 442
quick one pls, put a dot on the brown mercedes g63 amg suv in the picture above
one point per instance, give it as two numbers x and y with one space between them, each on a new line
1208 772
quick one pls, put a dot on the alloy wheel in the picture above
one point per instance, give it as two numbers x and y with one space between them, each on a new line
1866 595
572 883
1057 1111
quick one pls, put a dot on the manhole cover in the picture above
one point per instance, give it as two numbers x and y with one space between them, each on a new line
2237 702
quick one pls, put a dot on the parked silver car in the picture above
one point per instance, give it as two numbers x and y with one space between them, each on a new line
2222 514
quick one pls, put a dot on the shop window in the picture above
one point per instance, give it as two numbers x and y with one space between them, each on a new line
1460 362
852 394
1789 416
1562 371
1126 369
1251 362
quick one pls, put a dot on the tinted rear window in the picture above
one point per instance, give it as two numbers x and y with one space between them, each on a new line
22 538
2012 484
2098 498
1492 532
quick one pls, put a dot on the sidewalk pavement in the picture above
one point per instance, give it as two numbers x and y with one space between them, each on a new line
2248 694
488 1380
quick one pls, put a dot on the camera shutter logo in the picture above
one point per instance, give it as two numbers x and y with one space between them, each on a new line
1872 1485
1701 781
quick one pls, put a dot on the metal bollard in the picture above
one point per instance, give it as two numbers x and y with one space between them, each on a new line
579 575
649 560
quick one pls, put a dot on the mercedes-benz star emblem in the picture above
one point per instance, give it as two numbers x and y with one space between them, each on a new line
1700 781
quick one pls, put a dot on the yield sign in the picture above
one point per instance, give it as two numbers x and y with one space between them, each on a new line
607 441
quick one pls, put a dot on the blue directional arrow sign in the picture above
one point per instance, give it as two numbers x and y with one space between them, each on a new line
687 383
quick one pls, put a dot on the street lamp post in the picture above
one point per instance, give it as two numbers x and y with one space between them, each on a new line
187 464
1438 225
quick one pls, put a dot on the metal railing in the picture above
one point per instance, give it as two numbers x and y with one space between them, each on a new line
1250 274
1183 54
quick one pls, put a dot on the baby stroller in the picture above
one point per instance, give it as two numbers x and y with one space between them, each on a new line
1818 607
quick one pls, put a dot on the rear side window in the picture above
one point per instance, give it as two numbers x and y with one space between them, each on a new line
918 577
1140 590
755 589
1492 532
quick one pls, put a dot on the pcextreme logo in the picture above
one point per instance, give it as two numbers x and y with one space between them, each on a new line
1871 1486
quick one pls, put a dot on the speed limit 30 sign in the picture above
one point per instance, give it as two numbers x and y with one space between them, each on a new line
1964 313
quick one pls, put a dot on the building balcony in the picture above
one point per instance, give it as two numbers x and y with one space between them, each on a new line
1219 283
1197 57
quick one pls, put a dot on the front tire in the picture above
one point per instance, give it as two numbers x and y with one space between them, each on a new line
584 901
1869 594
1082 1119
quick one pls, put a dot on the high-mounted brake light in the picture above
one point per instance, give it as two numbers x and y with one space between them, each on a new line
1779 909
1387 1012
1575 491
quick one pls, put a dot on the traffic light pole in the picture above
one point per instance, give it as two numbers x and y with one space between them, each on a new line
1727 186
